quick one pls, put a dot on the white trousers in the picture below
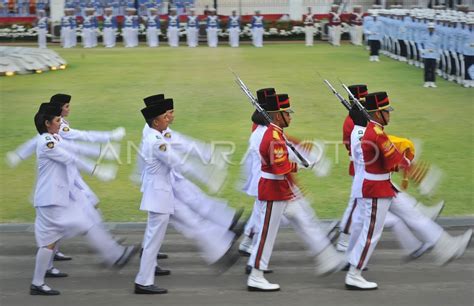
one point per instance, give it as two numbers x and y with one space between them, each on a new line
212 39
301 217
234 37
173 36
257 37
87 39
335 35
152 37
129 39
42 38
210 208
371 213
64 37
309 35
94 37
356 35
192 37
425 229
152 240
346 221
109 38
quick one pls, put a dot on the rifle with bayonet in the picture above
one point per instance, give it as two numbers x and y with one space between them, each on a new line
267 117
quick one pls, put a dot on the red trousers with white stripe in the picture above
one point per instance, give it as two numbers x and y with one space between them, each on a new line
372 213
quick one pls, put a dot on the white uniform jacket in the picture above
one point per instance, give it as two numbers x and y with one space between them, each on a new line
58 167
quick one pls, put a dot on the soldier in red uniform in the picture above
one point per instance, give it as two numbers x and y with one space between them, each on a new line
334 26
359 92
381 157
278 195
356 25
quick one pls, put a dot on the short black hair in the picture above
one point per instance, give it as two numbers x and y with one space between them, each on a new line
258 118
40 119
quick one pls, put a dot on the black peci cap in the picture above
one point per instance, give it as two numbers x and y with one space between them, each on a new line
153 111
153 99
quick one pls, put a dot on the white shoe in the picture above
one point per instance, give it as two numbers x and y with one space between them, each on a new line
433 85
450 78
449 248
245 247
355 281
376 58
256 282
403 59
342 243
426 84
431 212
329 261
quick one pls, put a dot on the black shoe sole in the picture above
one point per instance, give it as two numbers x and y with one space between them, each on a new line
160 256
150 292
51 275
163 273
350 287
255 289
62 258
35 292
243 253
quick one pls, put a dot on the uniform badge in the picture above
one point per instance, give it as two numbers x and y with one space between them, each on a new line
65 129
167 135
378 130
50 144
47 138
162 147
276 135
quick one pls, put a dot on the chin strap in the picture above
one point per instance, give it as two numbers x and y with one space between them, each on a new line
284 120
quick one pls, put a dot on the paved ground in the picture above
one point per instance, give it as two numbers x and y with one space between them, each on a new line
192 283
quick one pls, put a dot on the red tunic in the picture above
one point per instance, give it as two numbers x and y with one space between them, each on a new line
380 157
334 19
356 19
274 154
347 128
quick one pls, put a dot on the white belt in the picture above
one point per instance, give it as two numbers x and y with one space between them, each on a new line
377 177
271 176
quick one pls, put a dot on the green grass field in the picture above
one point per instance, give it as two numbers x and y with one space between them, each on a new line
108 85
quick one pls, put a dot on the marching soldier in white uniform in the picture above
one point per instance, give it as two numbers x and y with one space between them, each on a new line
65 28
257 30
212 28
110 28
309 28
42 26
152 28
192 29
159 201
173 28
233 26
58 200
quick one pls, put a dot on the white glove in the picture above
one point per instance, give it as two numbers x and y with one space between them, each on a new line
12 159
430 182
118 134
105 172
110 151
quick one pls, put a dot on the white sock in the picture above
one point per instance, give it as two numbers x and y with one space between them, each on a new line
42 260
104 244
55 250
